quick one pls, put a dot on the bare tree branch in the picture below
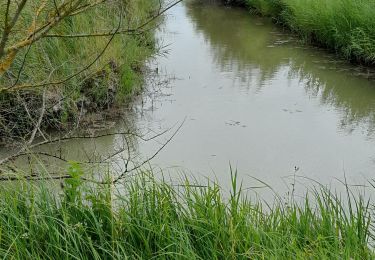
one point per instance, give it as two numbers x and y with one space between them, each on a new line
113 181
37 125
21 152
138 166
9 26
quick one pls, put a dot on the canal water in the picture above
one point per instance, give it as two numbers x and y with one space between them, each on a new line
250 96
256 98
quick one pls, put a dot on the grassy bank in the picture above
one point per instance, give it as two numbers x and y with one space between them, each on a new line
156 220
114 73
344 26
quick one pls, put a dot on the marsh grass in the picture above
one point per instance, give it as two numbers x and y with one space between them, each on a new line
344 26
153 219
53 59
112 79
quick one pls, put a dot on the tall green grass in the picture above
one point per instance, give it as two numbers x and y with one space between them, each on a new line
344 26
112 79
152 219
53 59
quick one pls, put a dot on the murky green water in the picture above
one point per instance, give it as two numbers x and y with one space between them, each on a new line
255 98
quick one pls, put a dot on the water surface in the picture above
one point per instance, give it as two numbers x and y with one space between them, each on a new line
254 97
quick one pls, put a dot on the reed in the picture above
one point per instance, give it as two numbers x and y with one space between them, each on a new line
95 72
346 27
150 218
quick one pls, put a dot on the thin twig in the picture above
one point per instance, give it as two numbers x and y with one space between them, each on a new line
122 175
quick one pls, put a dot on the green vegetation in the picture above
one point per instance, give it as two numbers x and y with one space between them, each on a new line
92 72
344 26
144 218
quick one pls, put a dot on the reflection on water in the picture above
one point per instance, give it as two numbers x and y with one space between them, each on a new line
255 98
252 47
258 99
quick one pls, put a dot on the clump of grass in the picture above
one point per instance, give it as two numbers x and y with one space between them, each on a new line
153 219
54 59
344 26
111 79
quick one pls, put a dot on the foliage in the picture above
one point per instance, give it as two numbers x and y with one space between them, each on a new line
59 61
344 26
152 219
